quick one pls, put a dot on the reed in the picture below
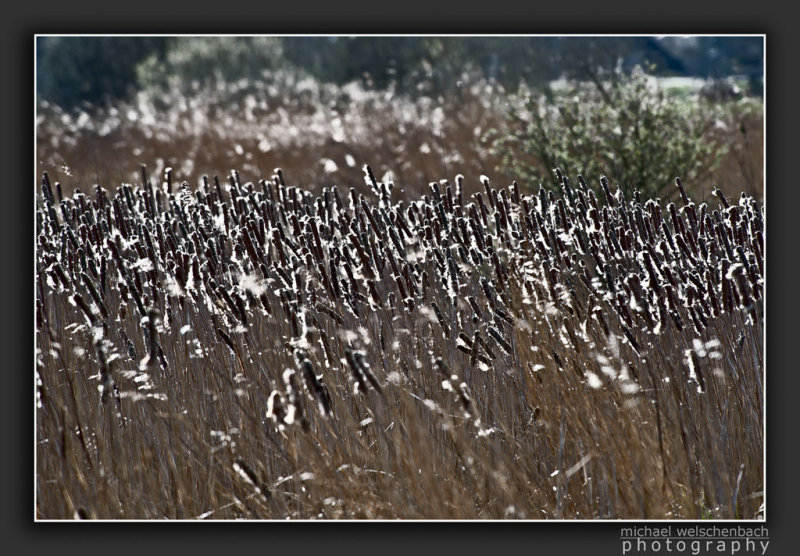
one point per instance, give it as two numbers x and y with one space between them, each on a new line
273 354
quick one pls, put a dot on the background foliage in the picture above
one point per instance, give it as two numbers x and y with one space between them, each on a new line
95 69
626 125
71 70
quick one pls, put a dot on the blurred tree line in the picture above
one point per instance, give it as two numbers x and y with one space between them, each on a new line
72 70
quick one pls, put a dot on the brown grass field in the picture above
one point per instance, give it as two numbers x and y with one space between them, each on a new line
340 341
253 350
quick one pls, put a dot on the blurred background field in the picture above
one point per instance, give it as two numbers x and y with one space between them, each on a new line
417 109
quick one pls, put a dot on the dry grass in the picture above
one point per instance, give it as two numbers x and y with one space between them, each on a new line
255 127
253 350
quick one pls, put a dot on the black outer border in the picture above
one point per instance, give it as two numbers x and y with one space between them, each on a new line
21 21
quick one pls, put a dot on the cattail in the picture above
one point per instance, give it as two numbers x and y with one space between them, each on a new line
700 314
466 340
374 293
695 369
91 317
609 198
149 362
107 385
500 340
487 290
317 388
718 192
684 197
361 371
247 473
95 295
330 312
226 338
728 295
276 407
463 391
498 312
698 326
295 410
622 308
684 248
440 318
473 354
634 344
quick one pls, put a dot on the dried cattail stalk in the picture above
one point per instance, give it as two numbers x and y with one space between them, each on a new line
317 388
500 340
246 472
440 318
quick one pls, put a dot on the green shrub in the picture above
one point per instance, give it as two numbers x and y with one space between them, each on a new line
625 128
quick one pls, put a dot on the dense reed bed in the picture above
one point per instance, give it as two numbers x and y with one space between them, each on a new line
252 350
